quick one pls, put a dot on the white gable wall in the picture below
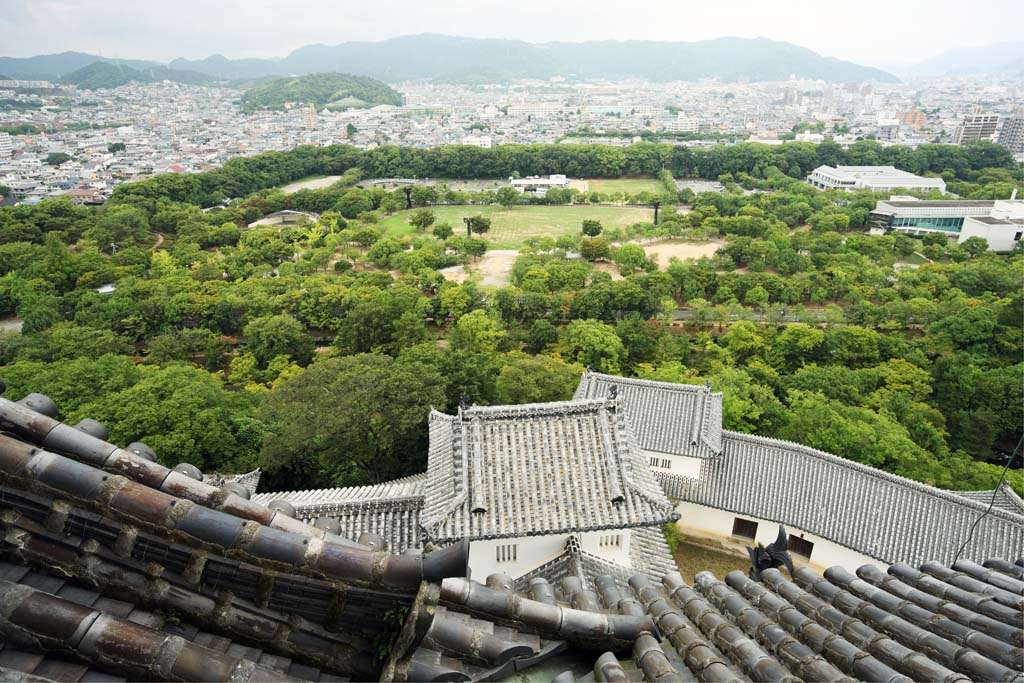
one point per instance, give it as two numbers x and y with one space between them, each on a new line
522 554
529 553
682 465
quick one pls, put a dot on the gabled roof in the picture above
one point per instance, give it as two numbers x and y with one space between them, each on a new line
1003 498
679 419
505 471
882 515
391 510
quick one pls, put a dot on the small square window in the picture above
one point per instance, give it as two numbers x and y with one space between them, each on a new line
747 528
801 547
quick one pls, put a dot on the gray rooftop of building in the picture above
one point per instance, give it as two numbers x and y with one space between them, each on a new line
505 471
679 419
939 204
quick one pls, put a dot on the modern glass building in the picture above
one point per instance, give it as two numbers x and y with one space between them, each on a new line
916 216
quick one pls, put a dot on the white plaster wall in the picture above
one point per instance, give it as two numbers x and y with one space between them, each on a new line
999 237
532 552
678 464
591 542
704 522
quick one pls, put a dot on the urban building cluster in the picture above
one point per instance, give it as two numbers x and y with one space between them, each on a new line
112 136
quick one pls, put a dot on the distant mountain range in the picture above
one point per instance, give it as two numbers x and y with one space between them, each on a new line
998 58
452 59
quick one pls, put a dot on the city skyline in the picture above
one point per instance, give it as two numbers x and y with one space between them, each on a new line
872 33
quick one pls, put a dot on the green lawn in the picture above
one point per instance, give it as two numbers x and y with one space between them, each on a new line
510 227
626 185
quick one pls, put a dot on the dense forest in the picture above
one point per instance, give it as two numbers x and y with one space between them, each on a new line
315 351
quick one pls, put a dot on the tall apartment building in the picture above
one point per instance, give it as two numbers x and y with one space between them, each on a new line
912 117
6 146
1011 135
309 117
976 127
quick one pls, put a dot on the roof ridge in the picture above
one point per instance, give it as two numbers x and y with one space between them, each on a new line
951 496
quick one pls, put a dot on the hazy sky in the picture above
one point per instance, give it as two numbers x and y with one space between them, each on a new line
872 32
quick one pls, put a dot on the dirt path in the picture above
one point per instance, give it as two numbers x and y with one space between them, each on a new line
494 269
315 184
668 250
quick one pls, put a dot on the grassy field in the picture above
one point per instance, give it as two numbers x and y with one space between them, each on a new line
626 185
692 559
510 227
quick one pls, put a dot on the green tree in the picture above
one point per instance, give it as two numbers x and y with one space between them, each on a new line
278 335
537 379
119 227
422 219
595 344
349 421
756 297
443 231
478 332
56 158
354 202
115 147
975 246
629 258
592 228
594 249
507 196
479 224
183 413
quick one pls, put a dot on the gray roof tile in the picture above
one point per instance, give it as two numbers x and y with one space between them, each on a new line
679 419
506 471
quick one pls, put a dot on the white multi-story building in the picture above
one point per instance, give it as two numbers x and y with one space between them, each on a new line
1003 228
1011 134
482 141
976 127
999 222
6 146
874 178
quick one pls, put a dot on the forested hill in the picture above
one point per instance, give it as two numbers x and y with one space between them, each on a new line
110 75
319 89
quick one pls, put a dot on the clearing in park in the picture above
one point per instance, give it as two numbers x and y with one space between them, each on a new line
624 185
511 227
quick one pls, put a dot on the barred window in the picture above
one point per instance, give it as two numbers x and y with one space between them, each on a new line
506 552
801 547
747 528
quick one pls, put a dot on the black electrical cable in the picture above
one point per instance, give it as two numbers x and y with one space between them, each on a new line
991 504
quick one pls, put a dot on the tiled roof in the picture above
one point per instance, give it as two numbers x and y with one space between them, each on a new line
1003 498
248 574
250 480
932 623
506 471
881 515
113 566
390 510
679 419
